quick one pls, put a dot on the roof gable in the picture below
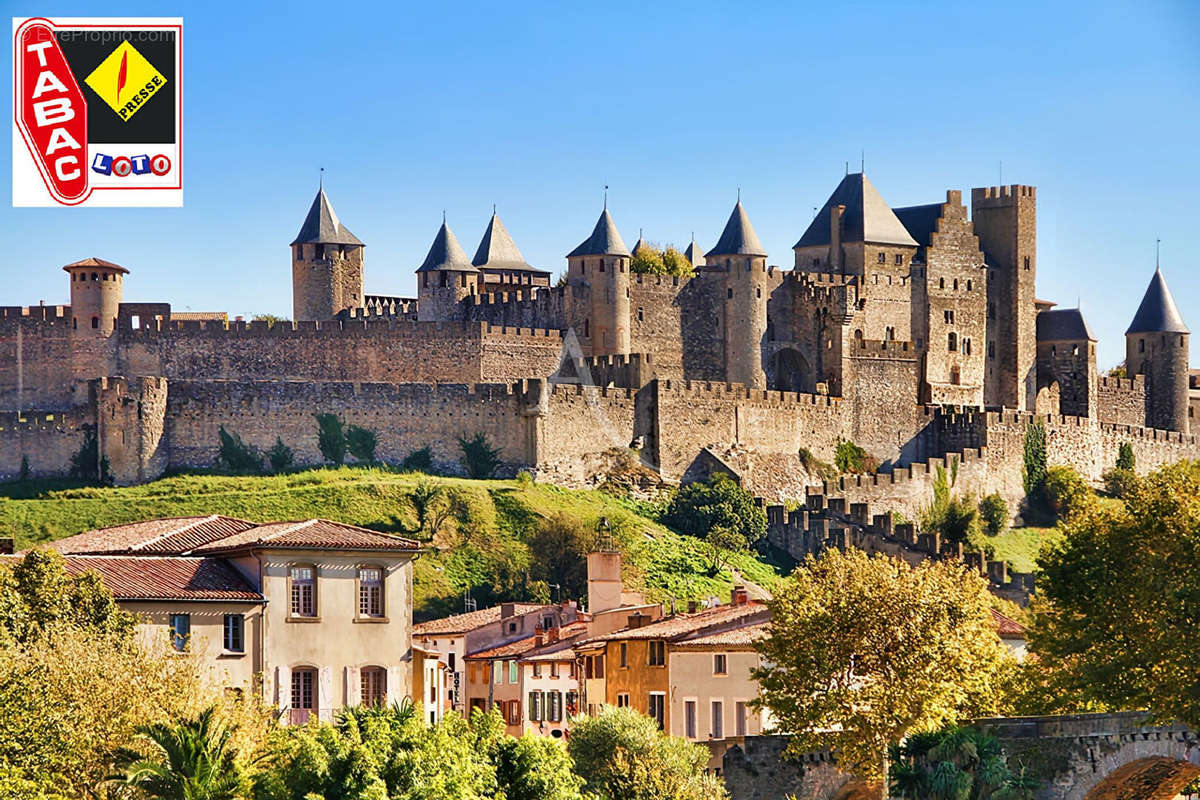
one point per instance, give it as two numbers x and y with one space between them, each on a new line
1157 312
322 225
867 217
169 536
310 534
738 238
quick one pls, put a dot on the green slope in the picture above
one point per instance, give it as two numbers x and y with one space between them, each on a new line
487 552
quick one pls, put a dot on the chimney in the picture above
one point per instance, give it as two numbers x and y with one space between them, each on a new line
835 237
604 580
7 546
539 638
507 610
552 636
738 595
692 606
638 620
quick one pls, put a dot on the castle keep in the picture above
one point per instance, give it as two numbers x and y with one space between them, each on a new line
914 332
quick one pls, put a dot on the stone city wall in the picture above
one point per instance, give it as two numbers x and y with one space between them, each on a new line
1122 401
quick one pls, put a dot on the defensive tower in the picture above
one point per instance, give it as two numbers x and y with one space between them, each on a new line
599 269
327 265
744 261
1005 220
96 293
1156 345
445 279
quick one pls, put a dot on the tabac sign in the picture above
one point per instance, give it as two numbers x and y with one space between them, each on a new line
97 111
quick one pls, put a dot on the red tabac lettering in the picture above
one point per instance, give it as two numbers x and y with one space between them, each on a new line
51 113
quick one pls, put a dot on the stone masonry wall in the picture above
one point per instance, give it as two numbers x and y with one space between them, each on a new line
1122 401
46 440
36 358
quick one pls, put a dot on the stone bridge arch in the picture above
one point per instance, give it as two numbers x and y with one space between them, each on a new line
1100 756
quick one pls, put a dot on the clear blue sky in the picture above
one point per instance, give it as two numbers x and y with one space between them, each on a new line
416 108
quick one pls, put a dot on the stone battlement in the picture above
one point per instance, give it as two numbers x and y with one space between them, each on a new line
1135 384
1002 192
737 391
877 348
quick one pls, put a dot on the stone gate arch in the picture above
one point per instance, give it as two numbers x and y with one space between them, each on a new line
793 373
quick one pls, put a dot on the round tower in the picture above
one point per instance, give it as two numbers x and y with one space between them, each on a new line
598 269
327 265
744 261
96 291
445 279
1156 346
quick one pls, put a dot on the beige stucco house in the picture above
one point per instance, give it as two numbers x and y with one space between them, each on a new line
314 614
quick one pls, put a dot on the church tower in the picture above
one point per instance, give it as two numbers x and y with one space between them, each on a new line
598 270
327 265
1156 345
744 261
445 279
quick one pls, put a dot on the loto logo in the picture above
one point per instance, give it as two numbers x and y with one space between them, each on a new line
52 114
97 104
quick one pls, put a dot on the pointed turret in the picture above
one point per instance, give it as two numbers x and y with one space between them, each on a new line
738 238
327 265
445 279
1156 346
446 254
1158 312
694 254
604 241
497 250
322 226
641 245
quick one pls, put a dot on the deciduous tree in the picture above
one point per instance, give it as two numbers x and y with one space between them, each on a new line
865 650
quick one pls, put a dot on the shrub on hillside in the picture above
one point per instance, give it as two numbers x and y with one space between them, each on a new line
479 458
418 460
719 502
1066 492
994 513
237 456
849 457
280 456
1120 482
361 443
331 438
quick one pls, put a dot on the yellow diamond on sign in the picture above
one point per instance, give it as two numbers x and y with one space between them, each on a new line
125 80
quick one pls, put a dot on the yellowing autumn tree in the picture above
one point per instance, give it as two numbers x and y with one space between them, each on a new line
865 650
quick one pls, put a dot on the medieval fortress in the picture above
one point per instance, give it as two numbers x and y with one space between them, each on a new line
914 332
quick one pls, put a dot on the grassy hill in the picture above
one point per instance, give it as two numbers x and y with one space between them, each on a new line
485 543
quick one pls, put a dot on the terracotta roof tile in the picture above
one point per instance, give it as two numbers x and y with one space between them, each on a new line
744 636
1007 627
166 578
462 623
529 643
169 536
311 534
681 625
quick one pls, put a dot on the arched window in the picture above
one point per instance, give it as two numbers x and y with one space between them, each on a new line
941 283
889 334
955 376
952 342
302 588
967 346
95 322
956 284
858 333
370 592
372 686
968 284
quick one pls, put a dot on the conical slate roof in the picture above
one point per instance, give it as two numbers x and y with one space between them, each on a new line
604 241
1158 312
641 243
738 238
446 254
694 253
867 217
322 225
497 250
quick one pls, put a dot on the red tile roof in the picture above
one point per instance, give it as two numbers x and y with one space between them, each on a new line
92 261
742 637
170 536
166 578
472 620
1007 627
681 625
310 534
521 646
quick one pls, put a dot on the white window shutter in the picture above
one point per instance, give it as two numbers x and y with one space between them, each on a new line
393 685
353 687
325 694
283 687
